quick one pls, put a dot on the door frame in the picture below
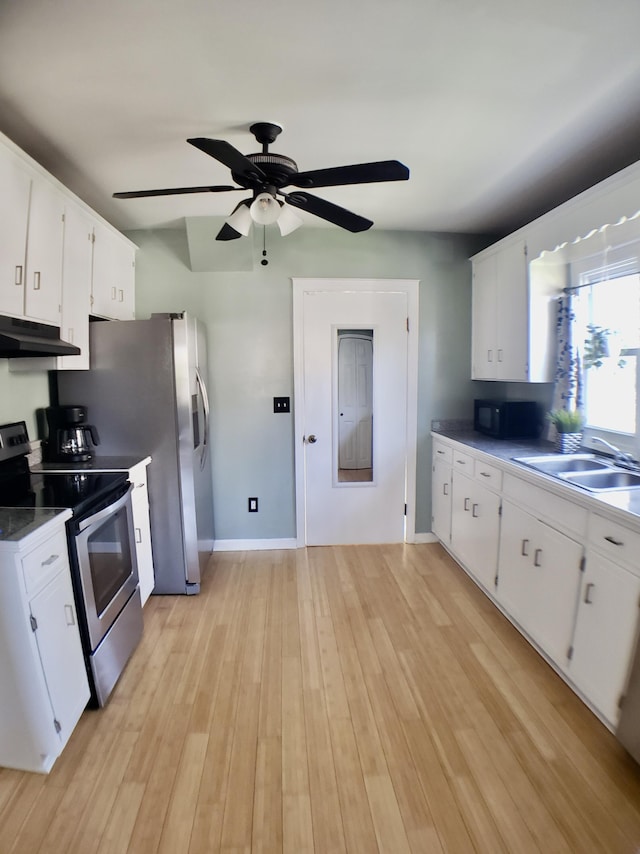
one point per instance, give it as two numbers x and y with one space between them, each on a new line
410 287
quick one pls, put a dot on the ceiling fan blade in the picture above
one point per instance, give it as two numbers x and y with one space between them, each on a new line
329 211
174 191
226 154
360 173
227 233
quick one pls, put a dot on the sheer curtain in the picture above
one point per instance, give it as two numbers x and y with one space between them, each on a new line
567 389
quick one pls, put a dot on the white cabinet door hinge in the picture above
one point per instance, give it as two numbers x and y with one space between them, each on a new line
570 653
34 622
56 724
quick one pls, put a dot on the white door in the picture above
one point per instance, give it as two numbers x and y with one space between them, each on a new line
334 511
355 372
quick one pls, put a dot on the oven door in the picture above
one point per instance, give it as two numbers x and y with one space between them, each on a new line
105 550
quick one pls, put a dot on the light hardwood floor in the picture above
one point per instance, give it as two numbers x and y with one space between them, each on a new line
355 699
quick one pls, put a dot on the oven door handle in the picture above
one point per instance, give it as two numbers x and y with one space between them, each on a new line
105 512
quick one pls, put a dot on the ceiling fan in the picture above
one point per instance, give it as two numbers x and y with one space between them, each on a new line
266 173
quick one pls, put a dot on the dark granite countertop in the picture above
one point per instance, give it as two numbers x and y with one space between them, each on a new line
18 523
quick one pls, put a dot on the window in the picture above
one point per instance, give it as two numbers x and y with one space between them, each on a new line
607 317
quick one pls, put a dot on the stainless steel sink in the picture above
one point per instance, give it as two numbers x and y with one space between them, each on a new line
599 481
563 463
584 470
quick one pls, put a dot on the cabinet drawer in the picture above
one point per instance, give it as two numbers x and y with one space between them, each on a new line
614 540
45 562
560 513
488 475
463 462
442 452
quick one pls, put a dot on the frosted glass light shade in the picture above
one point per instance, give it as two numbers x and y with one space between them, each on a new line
240 220
265 209
288 220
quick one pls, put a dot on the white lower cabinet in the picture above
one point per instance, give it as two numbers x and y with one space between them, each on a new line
567 575
475 527
43 681
539 572
142 526
441 500
607 618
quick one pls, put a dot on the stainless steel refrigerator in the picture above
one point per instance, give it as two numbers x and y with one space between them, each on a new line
146 393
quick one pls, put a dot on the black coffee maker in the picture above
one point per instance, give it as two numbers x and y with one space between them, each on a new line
70 438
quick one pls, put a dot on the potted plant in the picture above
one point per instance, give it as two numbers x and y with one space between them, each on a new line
568 424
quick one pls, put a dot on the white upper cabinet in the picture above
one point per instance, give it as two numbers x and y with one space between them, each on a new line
76 286
14 217
113 283
510 318
31 222
43 272
48 273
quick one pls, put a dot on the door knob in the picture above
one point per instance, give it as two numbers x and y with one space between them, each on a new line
311 439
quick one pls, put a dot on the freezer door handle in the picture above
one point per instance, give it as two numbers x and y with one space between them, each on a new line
205 409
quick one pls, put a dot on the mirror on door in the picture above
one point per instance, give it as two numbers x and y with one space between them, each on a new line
355 405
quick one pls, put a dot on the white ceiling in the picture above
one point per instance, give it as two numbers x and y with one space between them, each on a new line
501 109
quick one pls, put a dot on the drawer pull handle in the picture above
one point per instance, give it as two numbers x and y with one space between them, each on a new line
440 452
18 279
524 551
36 281
466 503
537 557
51 559
445 488
461 462
138 535
489 355
70 615
614 542
587 594
474 510
499 355
485 474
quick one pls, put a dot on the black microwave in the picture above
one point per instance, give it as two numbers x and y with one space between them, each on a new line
506 419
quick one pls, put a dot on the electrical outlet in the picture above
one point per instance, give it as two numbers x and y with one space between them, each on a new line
253 505
281 404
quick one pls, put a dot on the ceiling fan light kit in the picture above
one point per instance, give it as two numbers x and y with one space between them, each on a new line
240 220
265 174
265 209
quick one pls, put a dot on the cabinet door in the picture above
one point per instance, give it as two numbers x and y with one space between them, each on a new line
475 528
605 633
112 292
441 501
484 319
60 652
512 308
14 216
142 526
76 286
539 579
43 285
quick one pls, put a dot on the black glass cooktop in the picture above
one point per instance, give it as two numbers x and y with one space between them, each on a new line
79 491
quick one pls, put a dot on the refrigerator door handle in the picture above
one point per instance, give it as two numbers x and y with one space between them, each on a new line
205 410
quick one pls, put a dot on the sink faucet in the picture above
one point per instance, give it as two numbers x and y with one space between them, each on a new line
619 457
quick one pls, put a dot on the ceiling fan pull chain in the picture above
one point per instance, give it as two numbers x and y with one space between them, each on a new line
264 261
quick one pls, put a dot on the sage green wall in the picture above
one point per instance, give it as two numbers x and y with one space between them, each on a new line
249 321
21 394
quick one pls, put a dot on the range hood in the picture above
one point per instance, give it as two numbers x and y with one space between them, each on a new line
22 338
